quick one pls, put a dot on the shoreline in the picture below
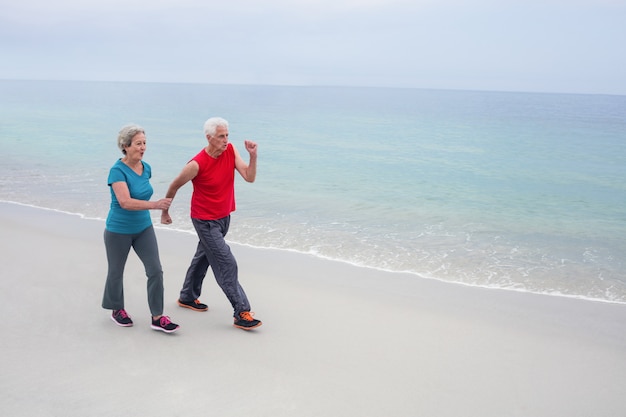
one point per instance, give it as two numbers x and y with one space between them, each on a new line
416 275
336 339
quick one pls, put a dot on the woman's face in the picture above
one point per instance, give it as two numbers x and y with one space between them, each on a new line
137 147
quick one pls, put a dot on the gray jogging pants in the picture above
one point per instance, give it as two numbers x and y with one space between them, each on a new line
213 251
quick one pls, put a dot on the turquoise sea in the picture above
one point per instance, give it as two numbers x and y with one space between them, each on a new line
516 191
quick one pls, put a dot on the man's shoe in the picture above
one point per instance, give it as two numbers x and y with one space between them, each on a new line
164 324
121 318
245 321
194 305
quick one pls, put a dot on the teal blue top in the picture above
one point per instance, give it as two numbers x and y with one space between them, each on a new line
125 221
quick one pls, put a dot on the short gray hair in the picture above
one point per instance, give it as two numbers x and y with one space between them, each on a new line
126 135
211 125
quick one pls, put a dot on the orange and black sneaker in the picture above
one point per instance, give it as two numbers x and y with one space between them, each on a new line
194 305
245 321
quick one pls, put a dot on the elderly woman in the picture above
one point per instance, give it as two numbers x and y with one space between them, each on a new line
129 225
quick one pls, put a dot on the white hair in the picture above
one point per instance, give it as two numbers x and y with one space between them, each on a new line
126 135
211 125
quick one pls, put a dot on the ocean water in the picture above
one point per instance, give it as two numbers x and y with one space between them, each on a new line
516 191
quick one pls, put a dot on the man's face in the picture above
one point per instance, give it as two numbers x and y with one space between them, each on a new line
220 139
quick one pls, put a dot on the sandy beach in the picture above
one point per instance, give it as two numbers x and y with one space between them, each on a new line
337 340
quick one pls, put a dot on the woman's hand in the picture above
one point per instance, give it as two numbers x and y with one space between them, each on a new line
163 204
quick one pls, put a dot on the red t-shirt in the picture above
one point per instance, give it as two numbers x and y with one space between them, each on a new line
213 195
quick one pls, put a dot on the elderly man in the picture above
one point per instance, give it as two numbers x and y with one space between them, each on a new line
212 172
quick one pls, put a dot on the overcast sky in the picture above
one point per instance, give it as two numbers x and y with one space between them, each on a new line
576 46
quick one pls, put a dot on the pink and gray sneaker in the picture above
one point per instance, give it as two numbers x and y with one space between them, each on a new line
121 318
164 324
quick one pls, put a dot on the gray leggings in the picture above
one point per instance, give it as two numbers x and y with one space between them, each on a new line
118 247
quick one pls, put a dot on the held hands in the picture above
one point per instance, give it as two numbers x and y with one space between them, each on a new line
163 204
